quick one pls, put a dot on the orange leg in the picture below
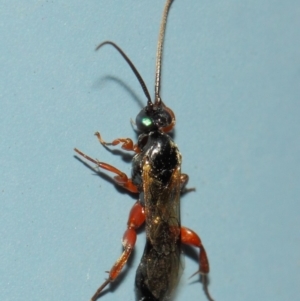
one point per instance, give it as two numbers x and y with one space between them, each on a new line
189 237
120 178
127 144
135 220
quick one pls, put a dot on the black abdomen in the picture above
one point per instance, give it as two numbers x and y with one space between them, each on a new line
157 274
157 168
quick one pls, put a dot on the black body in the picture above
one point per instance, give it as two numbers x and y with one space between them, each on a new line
156 172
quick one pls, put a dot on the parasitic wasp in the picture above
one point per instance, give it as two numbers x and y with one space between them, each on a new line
157 179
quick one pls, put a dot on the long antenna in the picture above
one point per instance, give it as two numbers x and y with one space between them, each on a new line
160 51
136 73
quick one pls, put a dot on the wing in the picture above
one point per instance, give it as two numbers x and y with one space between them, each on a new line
162 205
161 264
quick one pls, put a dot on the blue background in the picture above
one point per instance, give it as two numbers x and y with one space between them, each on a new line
231 74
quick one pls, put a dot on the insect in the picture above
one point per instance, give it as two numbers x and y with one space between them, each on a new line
157 179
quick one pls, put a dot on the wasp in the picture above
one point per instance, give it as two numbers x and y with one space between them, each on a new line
157 178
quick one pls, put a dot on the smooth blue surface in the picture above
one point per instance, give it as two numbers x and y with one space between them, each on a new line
231 74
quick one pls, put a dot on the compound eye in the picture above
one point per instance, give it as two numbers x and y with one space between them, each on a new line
164 118
171 120
144 122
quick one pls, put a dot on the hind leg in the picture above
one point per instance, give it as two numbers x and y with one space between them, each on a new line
189 237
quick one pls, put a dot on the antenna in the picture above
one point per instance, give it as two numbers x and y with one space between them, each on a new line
159 52
136 73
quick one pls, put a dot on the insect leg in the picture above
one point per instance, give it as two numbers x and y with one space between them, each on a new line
127 144
189 237
120 178
183 181
184 178
135 220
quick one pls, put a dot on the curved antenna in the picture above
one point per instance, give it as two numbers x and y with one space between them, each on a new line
160 51
138 76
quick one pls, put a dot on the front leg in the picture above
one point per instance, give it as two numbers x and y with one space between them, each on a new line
127 143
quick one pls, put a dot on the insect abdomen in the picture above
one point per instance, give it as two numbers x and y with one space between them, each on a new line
159 270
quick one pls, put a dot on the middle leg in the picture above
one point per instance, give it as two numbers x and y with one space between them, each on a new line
184 178
135 220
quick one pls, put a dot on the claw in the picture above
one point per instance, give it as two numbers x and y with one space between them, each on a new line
100 289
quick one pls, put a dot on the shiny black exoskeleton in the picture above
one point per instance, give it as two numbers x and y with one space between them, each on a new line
156 172
156 146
